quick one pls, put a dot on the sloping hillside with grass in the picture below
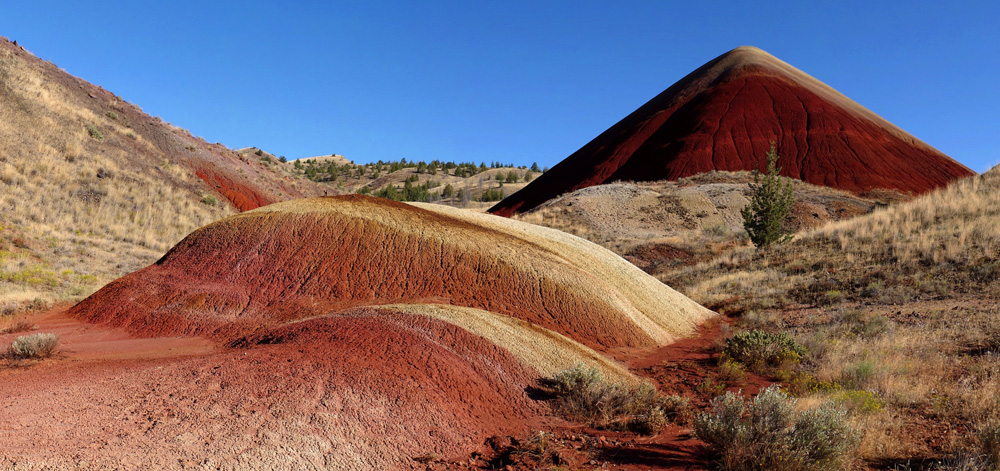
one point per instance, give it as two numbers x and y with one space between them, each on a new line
92 188
897 311
664 224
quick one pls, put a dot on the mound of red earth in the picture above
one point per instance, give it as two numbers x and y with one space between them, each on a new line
365 389
359 333
309 257
725 114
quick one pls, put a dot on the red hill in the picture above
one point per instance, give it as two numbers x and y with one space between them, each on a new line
309 257
724 115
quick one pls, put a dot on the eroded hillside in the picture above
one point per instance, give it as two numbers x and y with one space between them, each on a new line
93 188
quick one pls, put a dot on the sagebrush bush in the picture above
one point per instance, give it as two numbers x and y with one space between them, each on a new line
33 346
859 375
760 350
581 393
766 433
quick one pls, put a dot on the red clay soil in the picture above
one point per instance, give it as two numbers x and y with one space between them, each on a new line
363 390
240 194
266 268
724 115
684 368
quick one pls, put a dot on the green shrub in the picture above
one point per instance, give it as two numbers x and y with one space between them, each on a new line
731 371
761 351
209 200
770 203
860 401
581 393
832 296
492 194
33 346
766 433
858 376
94 132
710 388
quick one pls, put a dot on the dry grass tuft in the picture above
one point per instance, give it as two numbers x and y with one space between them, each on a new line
582 393
15 326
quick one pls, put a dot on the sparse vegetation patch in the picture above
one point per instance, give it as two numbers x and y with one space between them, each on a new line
767 433
34 346
581 393
94 132
761 351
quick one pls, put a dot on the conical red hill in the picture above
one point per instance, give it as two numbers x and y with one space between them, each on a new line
724 115
311 257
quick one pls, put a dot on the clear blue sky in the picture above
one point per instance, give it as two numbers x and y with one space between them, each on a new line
504 80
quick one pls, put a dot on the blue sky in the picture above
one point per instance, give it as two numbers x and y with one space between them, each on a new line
510 81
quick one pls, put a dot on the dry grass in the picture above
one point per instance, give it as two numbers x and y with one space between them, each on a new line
959 224
898 311
76 210
12 326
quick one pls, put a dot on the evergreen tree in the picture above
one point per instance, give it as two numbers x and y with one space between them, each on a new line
770 203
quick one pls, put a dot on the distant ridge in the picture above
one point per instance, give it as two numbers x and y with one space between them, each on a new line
724 115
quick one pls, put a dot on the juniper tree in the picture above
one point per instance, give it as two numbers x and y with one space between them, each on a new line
770 203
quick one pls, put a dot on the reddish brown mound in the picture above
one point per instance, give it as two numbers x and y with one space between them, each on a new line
369 389
724 115
310 257
239 194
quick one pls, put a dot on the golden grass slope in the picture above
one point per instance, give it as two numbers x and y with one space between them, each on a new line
92 188
897 308
959 224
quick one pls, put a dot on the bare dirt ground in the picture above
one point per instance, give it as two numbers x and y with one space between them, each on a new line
107 400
